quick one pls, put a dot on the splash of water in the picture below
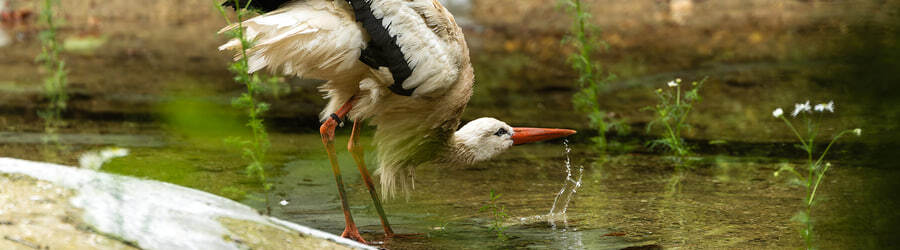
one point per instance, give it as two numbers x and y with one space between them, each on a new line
570 186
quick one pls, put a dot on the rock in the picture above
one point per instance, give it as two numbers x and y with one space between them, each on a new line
97 210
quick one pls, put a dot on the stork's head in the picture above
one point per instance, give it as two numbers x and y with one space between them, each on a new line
486 137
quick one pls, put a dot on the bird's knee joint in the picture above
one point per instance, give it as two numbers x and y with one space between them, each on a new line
327 130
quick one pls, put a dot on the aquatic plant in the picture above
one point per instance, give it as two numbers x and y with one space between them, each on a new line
254 148
592 81
671 114
440 229
815 168
55 83
498 215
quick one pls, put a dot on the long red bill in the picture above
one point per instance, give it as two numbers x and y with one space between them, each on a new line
528 135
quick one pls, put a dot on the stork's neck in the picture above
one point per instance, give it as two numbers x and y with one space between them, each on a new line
459 153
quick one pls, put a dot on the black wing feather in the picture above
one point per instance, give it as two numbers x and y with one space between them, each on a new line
261 5
382 50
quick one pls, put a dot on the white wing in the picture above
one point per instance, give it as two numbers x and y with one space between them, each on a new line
314 39
321 39
429 39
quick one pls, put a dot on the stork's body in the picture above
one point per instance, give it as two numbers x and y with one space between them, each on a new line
403 65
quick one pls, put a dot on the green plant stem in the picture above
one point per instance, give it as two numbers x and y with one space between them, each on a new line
809 181
815 169
678 95
819 161
819 178
589 72
674 138
583 40
813 178
821 174
797 133
254 149
55 83
686 112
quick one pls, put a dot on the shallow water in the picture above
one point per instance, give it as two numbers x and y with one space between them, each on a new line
625 200
637 199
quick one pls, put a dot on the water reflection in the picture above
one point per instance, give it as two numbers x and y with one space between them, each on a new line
672 207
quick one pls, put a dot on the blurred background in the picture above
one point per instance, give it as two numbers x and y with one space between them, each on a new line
147 76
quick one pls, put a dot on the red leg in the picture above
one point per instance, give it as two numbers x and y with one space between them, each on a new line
360 158
327 132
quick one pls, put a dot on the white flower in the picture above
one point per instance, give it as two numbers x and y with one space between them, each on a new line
819 107
800 107
284 202
858 132
678 80
672 84
95 160
822 107
827 106
778 112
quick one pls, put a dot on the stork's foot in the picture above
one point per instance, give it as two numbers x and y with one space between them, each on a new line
353 234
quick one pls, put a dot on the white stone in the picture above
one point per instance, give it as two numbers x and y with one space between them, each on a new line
154 215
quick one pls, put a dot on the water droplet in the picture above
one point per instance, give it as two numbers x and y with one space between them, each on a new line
570 186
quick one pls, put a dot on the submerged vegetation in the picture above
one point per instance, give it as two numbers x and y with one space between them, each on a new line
255 148
592 81
53 65
671 114
814 168
498 215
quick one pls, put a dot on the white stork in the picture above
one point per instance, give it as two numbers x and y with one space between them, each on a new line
403 65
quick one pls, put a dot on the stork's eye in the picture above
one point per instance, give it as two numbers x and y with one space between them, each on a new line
501 132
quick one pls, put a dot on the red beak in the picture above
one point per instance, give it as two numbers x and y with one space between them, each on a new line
528 135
